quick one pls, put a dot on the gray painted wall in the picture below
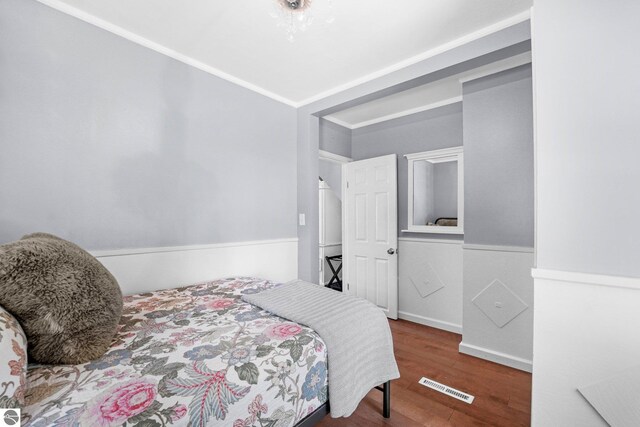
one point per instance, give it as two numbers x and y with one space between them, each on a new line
113 145
428 130
499 211
587 137
331 173
498 159
493 47
334 138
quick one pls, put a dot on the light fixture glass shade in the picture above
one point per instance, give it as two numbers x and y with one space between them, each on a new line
295 16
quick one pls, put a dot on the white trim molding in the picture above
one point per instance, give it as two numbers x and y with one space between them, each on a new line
498 26
149 269
429 240
138 251
427 321
587 278
336 158
138 39
388 117
496 356
453 154
498 67
497 248
338 122
408 112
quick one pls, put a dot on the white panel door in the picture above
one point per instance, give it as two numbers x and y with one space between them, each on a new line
370 235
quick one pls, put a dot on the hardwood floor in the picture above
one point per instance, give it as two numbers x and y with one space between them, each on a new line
502 394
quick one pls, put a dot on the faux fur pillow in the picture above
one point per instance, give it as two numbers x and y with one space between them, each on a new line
68 304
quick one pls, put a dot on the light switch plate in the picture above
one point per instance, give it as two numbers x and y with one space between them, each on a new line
301 219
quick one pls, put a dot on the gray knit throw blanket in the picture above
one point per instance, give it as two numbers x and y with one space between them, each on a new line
356 332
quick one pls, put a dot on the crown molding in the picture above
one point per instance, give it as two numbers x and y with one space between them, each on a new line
138 39
501 25
516 61
142 41
332 157
406 112
338 122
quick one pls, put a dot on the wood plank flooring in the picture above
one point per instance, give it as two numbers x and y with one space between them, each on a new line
502 395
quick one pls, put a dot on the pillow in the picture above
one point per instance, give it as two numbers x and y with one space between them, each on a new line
66 301
13 364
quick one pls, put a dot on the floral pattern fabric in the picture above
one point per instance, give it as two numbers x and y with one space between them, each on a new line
196 356
13 363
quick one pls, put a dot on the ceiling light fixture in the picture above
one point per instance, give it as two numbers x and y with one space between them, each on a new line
295 15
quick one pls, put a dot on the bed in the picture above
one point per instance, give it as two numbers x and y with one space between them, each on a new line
197 356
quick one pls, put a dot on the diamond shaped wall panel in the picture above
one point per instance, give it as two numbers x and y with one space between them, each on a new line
499 303
426 280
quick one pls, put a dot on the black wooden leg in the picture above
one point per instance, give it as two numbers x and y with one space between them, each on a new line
386 399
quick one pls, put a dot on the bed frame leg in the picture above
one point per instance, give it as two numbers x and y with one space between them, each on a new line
386 399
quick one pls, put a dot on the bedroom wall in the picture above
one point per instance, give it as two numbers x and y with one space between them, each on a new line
434 258
498 137
587 283
331 173
511 40
499 217
428 130
114 146
334 139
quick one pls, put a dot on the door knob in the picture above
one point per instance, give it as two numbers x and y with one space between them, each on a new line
391 251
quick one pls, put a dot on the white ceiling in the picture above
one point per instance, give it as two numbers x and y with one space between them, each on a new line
420 98
240 41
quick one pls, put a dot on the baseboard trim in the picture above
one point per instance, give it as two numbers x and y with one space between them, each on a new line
427 321
586 278
497 248
496 356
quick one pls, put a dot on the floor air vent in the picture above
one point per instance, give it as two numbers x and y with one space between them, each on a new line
467 398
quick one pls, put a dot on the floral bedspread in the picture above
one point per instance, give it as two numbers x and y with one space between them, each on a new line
193 356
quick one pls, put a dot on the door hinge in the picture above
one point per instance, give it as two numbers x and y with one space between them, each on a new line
347 184
348 286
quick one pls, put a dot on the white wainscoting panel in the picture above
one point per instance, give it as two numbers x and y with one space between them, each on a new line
430 282
498 305
586 329
149 269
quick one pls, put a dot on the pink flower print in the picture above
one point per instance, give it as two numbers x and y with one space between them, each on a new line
257 407
220 303
178 413
119 403
283 331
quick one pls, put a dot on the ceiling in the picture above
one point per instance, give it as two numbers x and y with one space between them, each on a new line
420 98
241 41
